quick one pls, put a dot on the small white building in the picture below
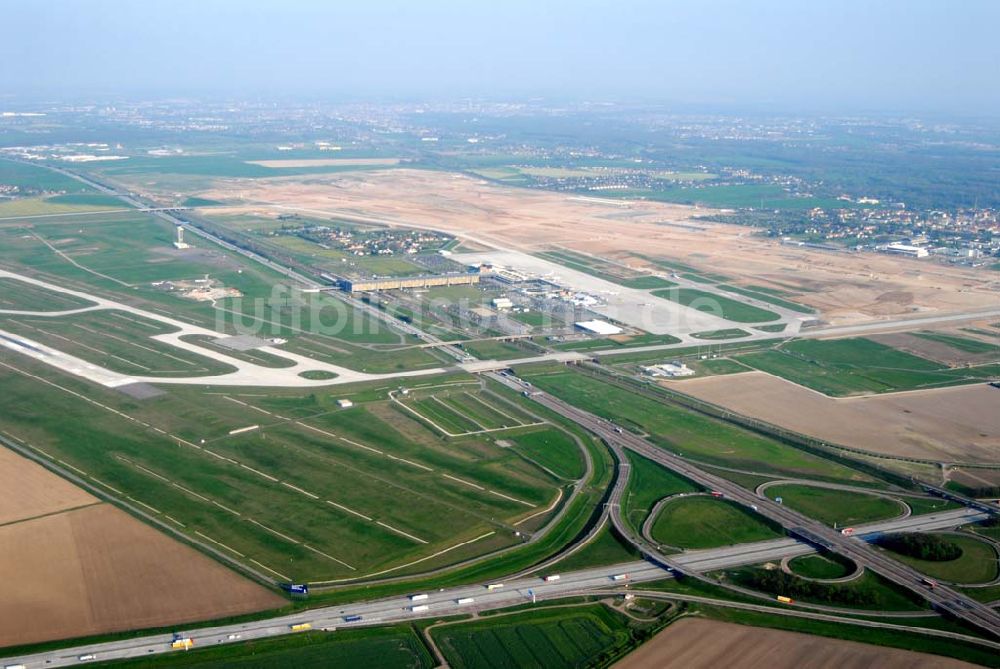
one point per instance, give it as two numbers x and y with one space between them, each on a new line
502 303
345 404
598 327
669 369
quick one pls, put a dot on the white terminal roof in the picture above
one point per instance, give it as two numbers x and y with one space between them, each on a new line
599 327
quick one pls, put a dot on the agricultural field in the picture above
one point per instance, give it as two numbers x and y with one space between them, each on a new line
840 508
83 567
966 344
842 367
953 424
697 643
287 483
564 637
675 428
718 304
394 647
706 522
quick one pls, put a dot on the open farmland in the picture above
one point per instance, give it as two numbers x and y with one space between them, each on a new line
706 644
955 424
553 639
840 367
75 566
287 484
697 437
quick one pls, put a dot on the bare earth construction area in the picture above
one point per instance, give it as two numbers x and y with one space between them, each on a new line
846 287
958 424
697 644
74 566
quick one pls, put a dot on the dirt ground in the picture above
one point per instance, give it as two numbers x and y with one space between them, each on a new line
325 162
95 569
846 287
960 424
30 491
694 644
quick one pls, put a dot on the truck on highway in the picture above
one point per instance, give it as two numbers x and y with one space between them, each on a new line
847 531
300 627
784 600
352 619
417 598
182 643
551 577
716 493
14 666
494 586
930 583
419 607
86 657
465 600
619 577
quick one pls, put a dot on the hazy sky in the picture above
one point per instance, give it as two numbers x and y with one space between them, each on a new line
841 54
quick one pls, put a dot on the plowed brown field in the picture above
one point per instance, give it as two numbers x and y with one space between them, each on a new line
95 569
697 644
958 424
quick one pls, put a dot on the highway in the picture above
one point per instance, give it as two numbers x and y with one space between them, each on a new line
445 602
941 597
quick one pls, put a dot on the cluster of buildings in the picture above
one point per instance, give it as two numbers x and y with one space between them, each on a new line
367 241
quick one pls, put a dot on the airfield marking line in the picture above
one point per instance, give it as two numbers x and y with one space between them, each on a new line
215 541
118 314
513 499
151 508
109 487
148 471
249 406
76 469
352 511
190 492
545 510
493 408
401 532
172 519
226 508
260 473
98 212
78 265
468 483
274 532
458 413
264 566
326 555
334 436
410 564
298 489
221 457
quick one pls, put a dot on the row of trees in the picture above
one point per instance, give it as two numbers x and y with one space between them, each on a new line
921 546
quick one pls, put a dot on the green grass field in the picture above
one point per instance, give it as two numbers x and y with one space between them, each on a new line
321 493
850 366
706 522
117 340
675 428
720 366
35 178
717 304
491 349
649 483
818 566
769 297
605 549
728 333
978 563
18 295
835 507
552 639
396 647
552 449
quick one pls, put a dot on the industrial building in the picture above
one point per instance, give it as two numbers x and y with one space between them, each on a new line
398 282
598 327
906 250
669 369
